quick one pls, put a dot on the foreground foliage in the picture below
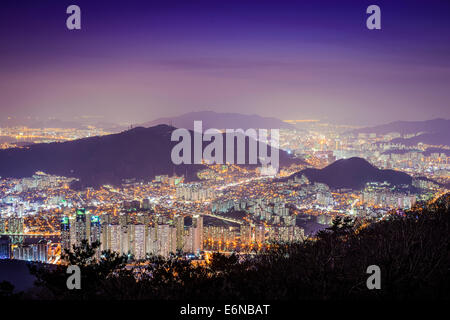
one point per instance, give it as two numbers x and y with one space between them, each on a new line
412 250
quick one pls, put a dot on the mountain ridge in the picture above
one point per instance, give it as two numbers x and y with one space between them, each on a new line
437 139
353 173
218 120
139 153
408 127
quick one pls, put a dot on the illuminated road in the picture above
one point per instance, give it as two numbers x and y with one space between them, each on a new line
30 234
242 182
222 218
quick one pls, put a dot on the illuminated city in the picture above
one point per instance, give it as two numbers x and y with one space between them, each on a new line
232 208
235 151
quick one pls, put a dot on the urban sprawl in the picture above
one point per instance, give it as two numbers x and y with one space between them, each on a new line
229 209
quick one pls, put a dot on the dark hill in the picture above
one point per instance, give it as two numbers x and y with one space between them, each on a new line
354 173
139 153
16 272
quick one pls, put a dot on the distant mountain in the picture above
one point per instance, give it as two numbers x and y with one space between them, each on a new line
438 139
409 127
401 151
427 152
354 173
40 123
139 153
217 120
56 123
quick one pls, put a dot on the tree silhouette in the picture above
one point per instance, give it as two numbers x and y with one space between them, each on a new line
412 252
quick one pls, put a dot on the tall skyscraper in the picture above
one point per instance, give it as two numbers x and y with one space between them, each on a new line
40 251
88 225
5 247
123 219
124 239
188 243
197 233
95 229
32 252
179 225
15 225
114 234
73 234
246 234
260 234
143 218
65 233
80 226
105 237
146 204
2 225
163 239
138 241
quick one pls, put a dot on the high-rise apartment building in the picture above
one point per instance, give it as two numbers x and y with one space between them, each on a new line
197 233
65 233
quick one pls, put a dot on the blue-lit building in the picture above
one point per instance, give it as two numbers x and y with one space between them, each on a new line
95 229
80 226
5 247
65 233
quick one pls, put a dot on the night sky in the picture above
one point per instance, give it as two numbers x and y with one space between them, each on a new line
134 61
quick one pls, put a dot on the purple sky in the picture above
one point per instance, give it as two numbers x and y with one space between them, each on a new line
135 61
